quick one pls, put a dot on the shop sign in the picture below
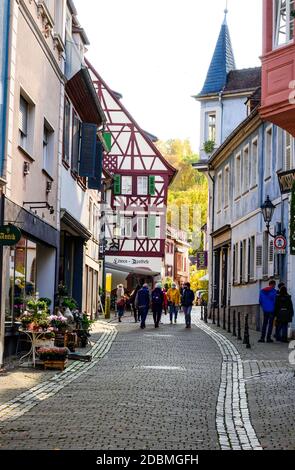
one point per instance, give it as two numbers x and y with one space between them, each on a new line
286 180
280 244
9 235
202 260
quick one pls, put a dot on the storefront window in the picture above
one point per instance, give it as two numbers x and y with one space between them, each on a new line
21 283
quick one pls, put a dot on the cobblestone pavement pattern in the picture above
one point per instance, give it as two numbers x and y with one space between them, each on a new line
131 399
169 388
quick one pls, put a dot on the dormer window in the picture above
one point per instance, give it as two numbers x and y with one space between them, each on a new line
212 127
283 22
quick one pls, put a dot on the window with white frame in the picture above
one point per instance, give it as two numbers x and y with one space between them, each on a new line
236 264
243 258
126 185
283 22
212 126
23 122
237 181
219 191
251 259
90 215
67 132
268 157
75 142
246 169
254 162
48 147
226 187
126 227
142 227
288 152
142 185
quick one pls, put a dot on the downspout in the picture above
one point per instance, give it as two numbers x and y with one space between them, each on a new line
212 178
3 117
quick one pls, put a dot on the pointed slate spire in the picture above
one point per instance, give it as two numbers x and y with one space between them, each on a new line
222 62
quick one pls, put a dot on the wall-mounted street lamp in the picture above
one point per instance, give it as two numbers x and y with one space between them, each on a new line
268 211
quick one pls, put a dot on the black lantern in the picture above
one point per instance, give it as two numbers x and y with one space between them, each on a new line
267 211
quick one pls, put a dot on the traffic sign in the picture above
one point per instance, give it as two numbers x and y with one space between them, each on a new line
280 244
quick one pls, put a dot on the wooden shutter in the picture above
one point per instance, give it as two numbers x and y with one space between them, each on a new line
152 185
107 137
95 182
117 184
23 116
88 150
152 226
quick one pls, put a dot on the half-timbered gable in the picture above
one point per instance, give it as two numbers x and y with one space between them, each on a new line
137 224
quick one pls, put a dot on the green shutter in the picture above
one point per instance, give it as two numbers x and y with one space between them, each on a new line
107 137
152 185
152 226
117 184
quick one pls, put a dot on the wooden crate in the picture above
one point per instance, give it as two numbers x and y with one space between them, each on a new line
60 365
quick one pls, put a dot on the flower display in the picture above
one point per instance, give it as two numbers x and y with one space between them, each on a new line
58 321
53 354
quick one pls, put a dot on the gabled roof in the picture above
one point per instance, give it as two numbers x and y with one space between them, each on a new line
119 118
244 79
222 63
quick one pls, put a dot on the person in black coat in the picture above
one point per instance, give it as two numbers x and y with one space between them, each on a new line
284 313
187 302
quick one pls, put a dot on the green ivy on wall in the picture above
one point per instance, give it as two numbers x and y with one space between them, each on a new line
292 222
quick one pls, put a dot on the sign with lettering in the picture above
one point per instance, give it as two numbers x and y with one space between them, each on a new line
286 180
202 260
9 235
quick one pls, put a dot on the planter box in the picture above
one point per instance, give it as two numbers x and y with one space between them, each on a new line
55 364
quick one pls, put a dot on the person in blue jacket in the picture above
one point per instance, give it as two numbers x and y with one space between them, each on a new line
142 303
267 300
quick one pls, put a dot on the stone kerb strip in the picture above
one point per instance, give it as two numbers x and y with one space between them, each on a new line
32 397
233 421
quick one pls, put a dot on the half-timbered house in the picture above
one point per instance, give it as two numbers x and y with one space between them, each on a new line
136 225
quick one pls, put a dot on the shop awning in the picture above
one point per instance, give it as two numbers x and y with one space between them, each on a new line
76 226
81 92
131 270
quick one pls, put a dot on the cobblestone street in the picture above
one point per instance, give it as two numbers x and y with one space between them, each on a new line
169 388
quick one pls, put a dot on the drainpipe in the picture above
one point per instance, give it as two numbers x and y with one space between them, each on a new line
212 178
5 20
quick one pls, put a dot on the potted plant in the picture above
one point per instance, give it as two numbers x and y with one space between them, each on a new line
59 322
209 146
69 302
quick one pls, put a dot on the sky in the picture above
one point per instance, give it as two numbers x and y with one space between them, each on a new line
156 53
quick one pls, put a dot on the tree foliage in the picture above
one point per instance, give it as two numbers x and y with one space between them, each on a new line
189 191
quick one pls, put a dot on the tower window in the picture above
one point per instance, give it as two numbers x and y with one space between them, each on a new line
212 127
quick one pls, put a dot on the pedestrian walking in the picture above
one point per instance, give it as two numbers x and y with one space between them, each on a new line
121 303
157 303
267 300
165 302
119 293
173 296
132 300
284 313
142 303
181 290
187 302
